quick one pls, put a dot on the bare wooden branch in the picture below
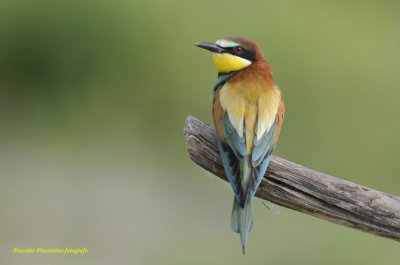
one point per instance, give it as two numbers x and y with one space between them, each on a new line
305 190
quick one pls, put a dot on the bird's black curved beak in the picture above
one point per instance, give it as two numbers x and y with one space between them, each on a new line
211 46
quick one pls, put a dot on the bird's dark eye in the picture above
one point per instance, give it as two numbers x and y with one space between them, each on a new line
238 50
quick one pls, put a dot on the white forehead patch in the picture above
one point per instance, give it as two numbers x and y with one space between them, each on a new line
226 43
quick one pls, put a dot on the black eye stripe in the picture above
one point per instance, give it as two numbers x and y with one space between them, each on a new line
246 54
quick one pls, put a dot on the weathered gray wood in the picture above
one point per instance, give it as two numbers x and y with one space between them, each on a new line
305 190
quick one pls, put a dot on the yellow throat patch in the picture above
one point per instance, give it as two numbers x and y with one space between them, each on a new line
225 62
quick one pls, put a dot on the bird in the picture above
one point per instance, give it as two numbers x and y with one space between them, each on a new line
248 111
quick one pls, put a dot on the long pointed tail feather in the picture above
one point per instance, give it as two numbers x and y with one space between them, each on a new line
242 221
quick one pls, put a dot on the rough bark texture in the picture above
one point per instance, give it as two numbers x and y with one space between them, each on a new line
305 190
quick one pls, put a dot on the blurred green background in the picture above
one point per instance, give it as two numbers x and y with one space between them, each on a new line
93 98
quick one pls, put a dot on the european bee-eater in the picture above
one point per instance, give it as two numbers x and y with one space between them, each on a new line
248 111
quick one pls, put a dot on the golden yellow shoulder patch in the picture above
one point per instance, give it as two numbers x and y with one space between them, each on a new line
268 103
233 102
251 107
